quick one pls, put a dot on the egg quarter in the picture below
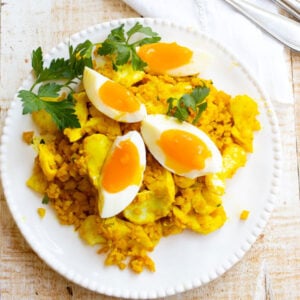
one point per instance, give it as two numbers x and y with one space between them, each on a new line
172 59
122 174
111 98
180 147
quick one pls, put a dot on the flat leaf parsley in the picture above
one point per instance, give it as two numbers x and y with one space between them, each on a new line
66 71
118 45
46 92
194 101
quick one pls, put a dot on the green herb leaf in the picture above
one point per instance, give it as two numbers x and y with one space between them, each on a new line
147 41
137 63
123 55
170 101
37 61
181 113
80 57
107 47
61 68
50 90
140 28
137 27
62 112
85 49
200 109
194 101
200 93
45 199
31 102
118 46
188 100
117 34
65 70
56 70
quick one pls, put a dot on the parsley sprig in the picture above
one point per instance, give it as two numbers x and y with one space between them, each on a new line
119 46
194 101
63 73
63 70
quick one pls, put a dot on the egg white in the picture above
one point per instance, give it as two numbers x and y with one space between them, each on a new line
92 81
198 63
154 125
110 204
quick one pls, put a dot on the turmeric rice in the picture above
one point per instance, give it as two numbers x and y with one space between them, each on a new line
65 169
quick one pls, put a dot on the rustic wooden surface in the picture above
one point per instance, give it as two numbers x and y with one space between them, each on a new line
270 270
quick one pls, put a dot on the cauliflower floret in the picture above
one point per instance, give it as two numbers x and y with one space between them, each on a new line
88 231
37 181
183 182
244 111
95 147
234 157
99 123
201 223
48 160
44 121
154 202
216 183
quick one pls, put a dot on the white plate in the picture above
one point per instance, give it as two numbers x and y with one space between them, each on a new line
183 261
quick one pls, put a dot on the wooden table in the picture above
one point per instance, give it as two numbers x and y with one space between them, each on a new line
270 270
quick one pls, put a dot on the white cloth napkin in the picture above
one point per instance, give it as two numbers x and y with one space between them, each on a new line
262 55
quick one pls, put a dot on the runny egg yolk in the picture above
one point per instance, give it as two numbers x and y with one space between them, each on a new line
122 168
184 151
161 57
118 97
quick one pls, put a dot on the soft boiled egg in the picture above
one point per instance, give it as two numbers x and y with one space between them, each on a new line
122 174
180 147
172 59
111 98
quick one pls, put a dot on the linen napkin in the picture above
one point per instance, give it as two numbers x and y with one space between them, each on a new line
262 55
